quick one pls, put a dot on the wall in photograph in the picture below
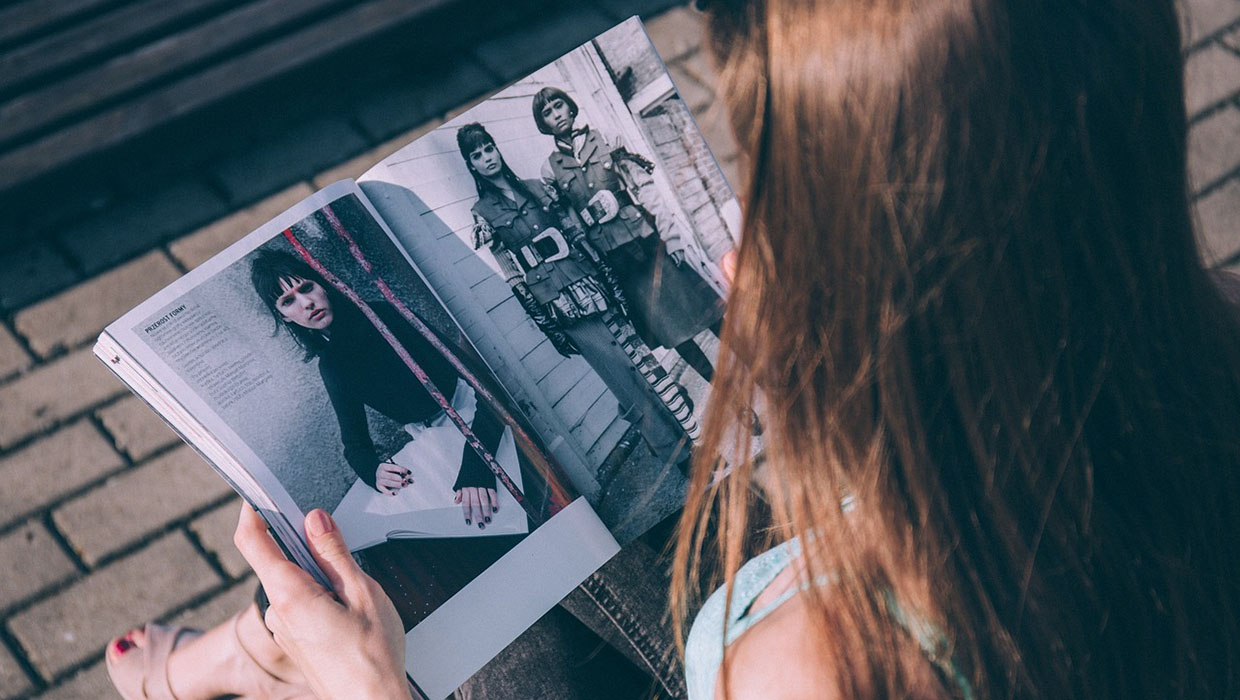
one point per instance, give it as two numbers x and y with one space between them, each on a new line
668 126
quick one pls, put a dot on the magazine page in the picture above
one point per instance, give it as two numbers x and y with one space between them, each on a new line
203 441
574 222
321 360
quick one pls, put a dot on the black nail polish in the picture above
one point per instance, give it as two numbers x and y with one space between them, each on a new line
488 519
482 526
467 521
494 509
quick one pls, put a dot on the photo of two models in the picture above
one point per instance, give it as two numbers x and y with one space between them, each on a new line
581 208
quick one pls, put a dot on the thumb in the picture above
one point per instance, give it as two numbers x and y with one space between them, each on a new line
330 552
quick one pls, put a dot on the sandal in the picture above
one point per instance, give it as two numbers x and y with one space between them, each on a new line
161 640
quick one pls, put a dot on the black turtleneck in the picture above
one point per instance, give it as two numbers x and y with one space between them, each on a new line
359 368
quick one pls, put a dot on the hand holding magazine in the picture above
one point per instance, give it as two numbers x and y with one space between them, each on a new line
485 357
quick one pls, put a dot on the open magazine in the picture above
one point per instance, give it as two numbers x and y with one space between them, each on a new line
486 357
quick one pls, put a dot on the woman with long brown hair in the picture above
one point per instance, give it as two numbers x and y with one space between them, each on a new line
969 301
1000 394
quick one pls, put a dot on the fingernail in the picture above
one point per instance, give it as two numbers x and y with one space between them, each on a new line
488 519
318 523
123 645
467 522
482 526
494 509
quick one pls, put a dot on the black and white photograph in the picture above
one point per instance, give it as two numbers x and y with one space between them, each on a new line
345 385
401 433
580 212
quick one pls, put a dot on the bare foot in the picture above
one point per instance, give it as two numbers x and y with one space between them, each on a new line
237 657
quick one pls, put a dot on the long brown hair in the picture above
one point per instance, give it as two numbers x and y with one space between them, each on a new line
968 298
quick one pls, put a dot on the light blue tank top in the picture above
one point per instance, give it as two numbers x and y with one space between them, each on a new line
712 630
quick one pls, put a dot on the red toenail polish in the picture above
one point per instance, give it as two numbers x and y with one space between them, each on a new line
123 645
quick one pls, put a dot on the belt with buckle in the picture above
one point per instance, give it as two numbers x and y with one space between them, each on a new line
549 245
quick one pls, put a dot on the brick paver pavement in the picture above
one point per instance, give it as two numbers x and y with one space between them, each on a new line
81 556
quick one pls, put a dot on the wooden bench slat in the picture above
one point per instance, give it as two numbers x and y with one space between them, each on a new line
183 97
83 41
31 16
126 73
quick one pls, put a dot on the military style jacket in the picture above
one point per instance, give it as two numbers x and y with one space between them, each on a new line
529 242
594 168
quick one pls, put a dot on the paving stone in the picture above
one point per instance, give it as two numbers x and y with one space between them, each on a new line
296 154
1205 17
219 608
1214 146
57 390
717 131
42 563
413 100
1211 74
72 626
80 313
676 33
1218 216
31 273
137 502
1232 39
135 428
141 223
731 171
13 358
58 464
215 533
194 249
541 40
697 96
91 683
354 167
702 67
13 681
45 210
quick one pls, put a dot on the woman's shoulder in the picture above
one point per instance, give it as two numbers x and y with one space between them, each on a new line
779 658
787 652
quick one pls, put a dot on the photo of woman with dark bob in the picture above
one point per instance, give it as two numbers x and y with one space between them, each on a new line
361 369
569 292
610 188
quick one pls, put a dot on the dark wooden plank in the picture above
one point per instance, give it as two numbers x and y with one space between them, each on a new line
31 16
185 96
83 41
130 72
